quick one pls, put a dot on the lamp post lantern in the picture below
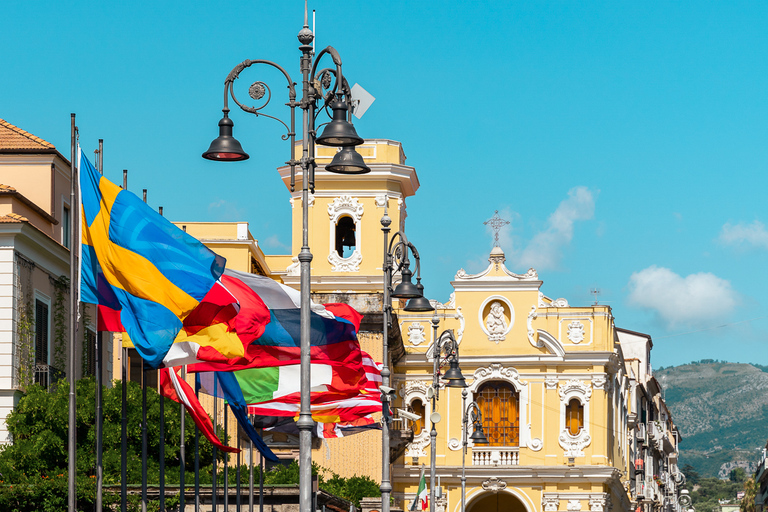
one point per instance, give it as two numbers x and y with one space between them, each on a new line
395 259
478 437
321 88
444 344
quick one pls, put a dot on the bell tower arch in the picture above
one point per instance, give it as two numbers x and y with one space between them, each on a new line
344 217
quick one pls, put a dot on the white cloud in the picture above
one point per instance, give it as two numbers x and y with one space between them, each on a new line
682 301
745 234
225 211
545 249
273 242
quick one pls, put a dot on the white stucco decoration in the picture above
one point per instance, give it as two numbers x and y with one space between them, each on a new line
381 200
417 390
494 324
416 334
531 331
550 502
576 332
294 269
582 391
494 484
574 505
341 206
550 343
496 371
597 503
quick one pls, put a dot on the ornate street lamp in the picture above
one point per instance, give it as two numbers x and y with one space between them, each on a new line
320 89
445 350
395 259
471 413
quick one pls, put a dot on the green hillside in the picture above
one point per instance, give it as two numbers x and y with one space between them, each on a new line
721 410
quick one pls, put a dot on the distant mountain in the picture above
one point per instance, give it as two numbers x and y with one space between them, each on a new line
721 410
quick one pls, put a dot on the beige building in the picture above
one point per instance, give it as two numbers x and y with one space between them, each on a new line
34 271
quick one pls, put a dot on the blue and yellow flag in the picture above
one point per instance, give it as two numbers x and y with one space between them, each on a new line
137 262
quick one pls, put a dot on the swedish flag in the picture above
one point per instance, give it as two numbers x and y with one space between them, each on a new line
136 261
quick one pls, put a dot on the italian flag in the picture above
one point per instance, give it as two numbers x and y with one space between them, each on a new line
421 502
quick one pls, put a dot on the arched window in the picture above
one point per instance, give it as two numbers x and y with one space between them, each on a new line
417 407
345 236
574 416
499 405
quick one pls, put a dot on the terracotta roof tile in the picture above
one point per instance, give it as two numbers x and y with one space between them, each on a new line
13 137
13 218
6 188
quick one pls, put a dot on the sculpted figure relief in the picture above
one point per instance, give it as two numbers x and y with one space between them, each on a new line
495 322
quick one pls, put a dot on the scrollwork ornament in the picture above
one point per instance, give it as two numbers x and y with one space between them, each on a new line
494 484
550 502
257 90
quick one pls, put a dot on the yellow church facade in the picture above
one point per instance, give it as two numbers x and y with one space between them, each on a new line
549 378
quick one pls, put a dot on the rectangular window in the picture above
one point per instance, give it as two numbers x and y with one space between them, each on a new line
89 354
41 332
65 227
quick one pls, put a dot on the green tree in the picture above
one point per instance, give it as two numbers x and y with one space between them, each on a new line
737 475
33 468
748 501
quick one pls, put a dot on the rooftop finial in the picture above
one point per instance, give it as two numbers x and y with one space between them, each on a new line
496 224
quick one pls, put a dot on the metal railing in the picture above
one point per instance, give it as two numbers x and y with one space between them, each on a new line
47 376
495 456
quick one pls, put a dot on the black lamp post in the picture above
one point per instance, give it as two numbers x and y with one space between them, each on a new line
445 345
471 413
320 89
395 259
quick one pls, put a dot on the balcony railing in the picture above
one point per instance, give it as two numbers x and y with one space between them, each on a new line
495 456
47 376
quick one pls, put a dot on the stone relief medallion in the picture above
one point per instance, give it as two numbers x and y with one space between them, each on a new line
576 332
416 333
496 317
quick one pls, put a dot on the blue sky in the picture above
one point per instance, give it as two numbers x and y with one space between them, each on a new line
625 143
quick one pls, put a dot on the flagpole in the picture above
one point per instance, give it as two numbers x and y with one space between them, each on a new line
197 452
99 384
162 449
73 306
143 437
182 447
238 469
124 436
226 464
215 451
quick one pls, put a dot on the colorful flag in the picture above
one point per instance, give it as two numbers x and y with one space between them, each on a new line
178 390
136 262
327 407
268 327
421 502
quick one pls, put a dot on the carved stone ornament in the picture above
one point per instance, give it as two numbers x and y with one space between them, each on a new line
535 444
494 484
350 264
574 445
293 202
532 338
310 199
345 204
416 334
550 502
381 200
576 332
416 390
441 504
575 386
559 303
294 269
496 323
448 305
574 505
550 382
597 503
600 381
454 444
495 371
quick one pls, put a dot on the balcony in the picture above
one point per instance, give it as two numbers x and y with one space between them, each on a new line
496 456
47 376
